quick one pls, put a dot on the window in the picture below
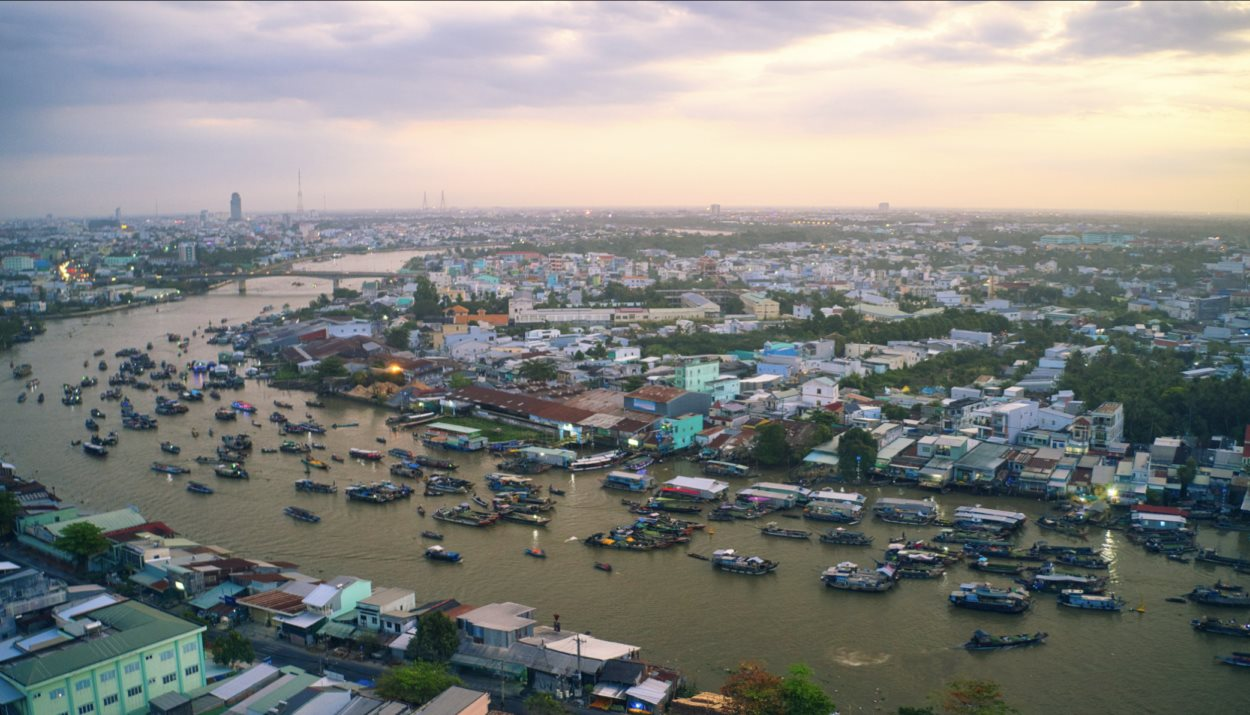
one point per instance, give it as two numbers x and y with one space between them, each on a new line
192 670
110 700
169 678
57 694
84 709
167 655
132 667
189 647
134 691
108 676
82 684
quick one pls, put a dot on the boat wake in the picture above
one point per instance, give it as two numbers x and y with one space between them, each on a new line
856 659
571 538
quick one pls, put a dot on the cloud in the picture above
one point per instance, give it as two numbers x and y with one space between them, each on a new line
1137 28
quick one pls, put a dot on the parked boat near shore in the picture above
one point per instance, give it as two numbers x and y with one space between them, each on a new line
981 640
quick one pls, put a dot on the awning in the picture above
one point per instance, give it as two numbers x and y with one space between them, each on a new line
612 691
822 458
488 665
334 629
649 691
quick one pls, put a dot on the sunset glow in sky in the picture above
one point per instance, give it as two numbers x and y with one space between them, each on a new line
1120 106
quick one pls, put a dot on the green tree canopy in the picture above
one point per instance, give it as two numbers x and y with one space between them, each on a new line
543 704
233 647
10 509
437 639
974 697
417 683
857 454
757 691
543 370
803 697
331 367
82 539
771 448
459 380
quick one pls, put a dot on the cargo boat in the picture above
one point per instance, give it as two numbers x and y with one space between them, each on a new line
733 562
985 597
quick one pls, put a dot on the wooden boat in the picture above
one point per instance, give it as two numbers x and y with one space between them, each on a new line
300 514
438 553
603 460
420 510
733 562
1241 660
341 425
283 405
536 552
842 537
981 640
1207 624
772 529
169 468
432 535
603 566
308 485
1216 596
848 576
314 403
987 566
336 458
197 488
314 463
171 448
521 517
1076 598
553 490
985 597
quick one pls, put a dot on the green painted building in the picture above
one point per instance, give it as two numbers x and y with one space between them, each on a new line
696 375
106 656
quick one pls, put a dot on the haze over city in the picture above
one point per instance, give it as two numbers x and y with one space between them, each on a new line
1126 106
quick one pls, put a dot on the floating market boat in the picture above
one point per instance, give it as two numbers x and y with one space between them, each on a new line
983 564
1216 596
465 516
1077 598
314 463
231 471
400 453
603 566
438 553
733 562
171 448
370 455
521 517
842 537
981 640
283 405
443 484
225 414
314 403
714 468
308 485
773 529
603 460
94 450
300 514
340 425
1207 624
406 471
336 458
848 576
197 488
536 552
292 447
1083 561
432 535
432 462
169 468
499 482
985 597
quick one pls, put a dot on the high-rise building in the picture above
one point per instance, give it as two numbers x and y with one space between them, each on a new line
236 207
117 215
883 206
714 209
186 253
203 217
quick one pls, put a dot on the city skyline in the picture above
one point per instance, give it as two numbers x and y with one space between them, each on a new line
1116 107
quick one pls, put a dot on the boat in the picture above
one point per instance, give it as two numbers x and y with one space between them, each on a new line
521 517
169 468
293 447
981 640
772 529
171 448
1216 596
432 535
1207 624
1047 580
380 440
230 471
314 403
283 405
733 562
443 484
714 468
536 552
1076 598
627 482
268 450
1241 660
498 482
432 462
102 366
22 371
555 491
91 425
225 414
214 394
406 471
999 567
308 485
420 510
1083 561
603 460
39 399
438 553
366 454
301 514
98 352
336 458
842 537
97 413
848 576
21 398
314 463
985 597
243 406
341 425
197 488
603 566
94 450
911 512
464 515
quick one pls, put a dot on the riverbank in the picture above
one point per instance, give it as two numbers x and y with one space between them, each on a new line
118 308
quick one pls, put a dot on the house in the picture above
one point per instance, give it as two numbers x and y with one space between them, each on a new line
763 307
498 625
1106 426
457 701
667 401
389 611
106 655
819 391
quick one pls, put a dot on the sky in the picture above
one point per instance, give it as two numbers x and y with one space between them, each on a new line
1119 106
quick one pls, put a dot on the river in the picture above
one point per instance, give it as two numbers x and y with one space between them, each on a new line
872 652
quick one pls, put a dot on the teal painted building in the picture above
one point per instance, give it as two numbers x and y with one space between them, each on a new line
696 376
672 434
106 656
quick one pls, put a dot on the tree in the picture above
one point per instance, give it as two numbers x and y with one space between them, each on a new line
974 697
397 337
83 540
757 691
597 351
459 380
543 704
417 683
232 648
10 509
543 370
894 412
857 454
437 639
771 447
802 696
1186 473
331 367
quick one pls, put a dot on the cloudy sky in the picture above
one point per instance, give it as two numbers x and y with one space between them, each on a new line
1120 106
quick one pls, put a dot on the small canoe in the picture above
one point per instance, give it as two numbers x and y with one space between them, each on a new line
603 566
536 552
432 535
